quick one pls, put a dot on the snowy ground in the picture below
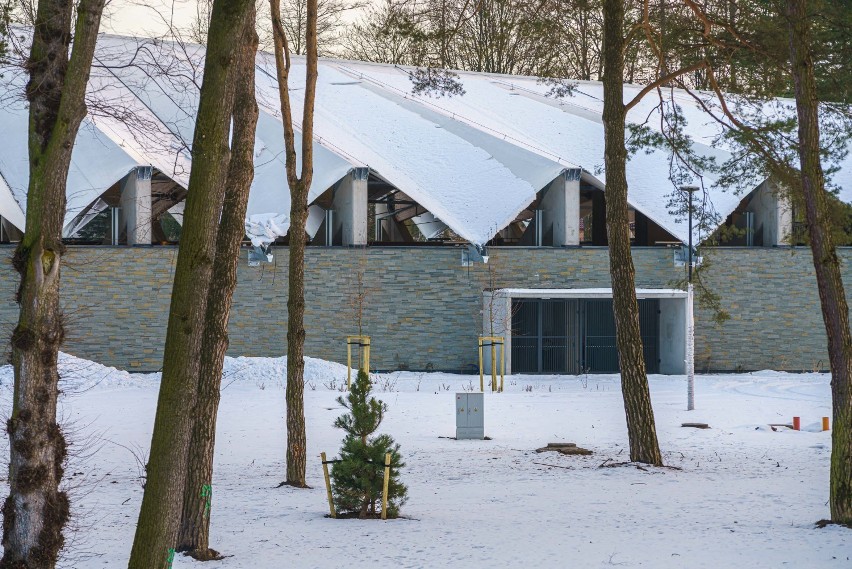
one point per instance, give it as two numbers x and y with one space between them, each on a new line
747 496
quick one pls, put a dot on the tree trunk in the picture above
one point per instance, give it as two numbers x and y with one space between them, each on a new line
634 379
35 511
159 516
296 439
299 188
832 297
194 534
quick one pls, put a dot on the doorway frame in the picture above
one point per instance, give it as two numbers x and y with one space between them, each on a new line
497 318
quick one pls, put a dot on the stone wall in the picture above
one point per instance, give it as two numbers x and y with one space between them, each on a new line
422 308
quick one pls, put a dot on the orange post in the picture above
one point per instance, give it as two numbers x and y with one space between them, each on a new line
825 423
797 423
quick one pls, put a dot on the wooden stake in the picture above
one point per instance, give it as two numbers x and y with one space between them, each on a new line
348 366
366 345
481 379
385 489
493 366
502 364
328 486
825 423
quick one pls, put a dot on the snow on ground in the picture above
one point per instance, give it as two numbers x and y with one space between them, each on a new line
746 495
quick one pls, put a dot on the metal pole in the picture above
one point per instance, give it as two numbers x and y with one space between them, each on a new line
690 235
115 232
690 316
690 351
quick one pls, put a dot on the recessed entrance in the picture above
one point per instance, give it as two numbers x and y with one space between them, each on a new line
576 335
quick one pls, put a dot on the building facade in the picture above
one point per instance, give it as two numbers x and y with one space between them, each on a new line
423 308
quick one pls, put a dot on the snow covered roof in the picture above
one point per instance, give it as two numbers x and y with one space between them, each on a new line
98 161
142 98
473 182
567 130
475 161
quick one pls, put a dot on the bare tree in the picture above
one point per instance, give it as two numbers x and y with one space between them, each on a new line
383 34
299 188
509 36
194 534
159 518
359 292
35 511
557 38
330 24
200 25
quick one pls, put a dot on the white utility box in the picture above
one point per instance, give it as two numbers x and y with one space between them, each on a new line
470 416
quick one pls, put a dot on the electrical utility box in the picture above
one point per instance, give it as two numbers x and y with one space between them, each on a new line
470 416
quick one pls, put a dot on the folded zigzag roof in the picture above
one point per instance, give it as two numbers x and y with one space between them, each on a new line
474 161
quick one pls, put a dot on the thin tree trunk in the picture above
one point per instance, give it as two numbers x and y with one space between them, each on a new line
641 430
296 437
160 514
35 511
194 534
835 310
299 188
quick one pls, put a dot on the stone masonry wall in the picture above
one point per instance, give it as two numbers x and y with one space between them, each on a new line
422 307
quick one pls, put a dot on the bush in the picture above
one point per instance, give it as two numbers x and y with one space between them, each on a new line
358 476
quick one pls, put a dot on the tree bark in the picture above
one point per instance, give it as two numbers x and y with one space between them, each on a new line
641 430
835 310
160 514
296 437
299 188
194 534
35 511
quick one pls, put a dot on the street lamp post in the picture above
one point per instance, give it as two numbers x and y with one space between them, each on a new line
690 318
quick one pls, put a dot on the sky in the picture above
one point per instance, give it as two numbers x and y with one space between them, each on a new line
146 17
151 17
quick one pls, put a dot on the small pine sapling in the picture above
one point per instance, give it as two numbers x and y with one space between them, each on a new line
358 477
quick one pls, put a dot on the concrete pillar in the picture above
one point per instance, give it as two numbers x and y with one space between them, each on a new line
572 207
561 207
136 206
350 208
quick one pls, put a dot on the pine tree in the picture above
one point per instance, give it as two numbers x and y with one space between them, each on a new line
358 477
641 429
